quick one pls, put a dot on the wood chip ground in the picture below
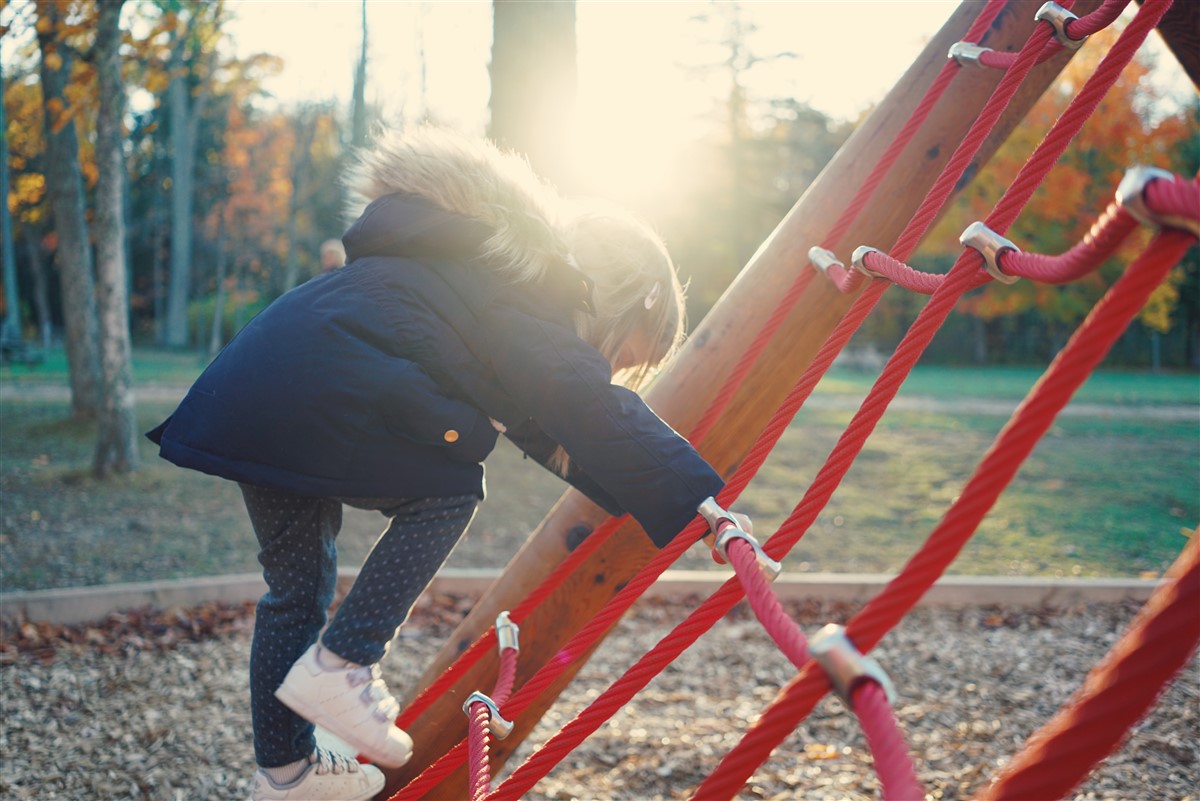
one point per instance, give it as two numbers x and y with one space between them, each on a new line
153 706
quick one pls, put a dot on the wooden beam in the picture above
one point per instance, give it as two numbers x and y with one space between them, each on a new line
1180 29
683 392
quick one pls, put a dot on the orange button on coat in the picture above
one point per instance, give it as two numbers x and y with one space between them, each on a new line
450 436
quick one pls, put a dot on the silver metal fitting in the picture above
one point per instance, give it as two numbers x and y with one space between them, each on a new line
499 727
990 245
823 258
1058 17
845 665
507 632
712 512
856 258
1131 195
770 567
967 52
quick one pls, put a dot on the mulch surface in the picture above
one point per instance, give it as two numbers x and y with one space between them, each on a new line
153 705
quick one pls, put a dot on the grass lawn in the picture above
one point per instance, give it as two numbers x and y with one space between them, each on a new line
1101 495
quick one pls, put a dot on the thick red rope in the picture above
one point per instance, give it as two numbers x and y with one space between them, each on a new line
1115 694
1032 418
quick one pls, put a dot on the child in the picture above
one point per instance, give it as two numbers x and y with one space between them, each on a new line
474 302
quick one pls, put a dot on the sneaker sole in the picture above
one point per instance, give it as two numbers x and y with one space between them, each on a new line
313 715
371 792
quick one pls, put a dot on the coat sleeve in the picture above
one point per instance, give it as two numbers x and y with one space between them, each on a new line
566 386
535 444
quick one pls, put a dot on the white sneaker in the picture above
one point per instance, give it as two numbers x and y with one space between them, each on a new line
351 702
329 777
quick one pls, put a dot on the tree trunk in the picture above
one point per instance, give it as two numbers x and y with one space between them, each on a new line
215 340
301 167
11 328
179 282
358 118
73 255
41 293
534 81
116 440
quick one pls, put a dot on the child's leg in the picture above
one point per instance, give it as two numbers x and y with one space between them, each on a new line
418 539
296 535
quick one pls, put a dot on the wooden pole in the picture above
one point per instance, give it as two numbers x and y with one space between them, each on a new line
1180 29
683 392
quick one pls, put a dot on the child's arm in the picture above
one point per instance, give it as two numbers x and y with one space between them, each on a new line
609 433
535 444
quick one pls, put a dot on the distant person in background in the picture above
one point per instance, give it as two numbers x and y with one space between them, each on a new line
333 255
476 302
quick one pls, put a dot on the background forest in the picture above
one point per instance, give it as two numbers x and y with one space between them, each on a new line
158 196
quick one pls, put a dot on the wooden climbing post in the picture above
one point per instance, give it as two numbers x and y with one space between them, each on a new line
682 393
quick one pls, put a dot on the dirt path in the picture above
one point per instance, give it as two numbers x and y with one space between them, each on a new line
34 391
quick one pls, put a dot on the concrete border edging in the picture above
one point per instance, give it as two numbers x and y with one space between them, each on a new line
87 604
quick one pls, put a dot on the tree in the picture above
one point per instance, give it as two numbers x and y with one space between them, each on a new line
358 113
11 327
534 77
192 65
64 186
116 441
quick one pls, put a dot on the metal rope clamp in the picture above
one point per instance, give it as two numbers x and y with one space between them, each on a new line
967 52
990 246
499 727
845 665
1058 17
823 259
715 515
1131 195
857 259
507 632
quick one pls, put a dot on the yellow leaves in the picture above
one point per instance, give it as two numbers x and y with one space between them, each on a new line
28 190
1156 314
53 60
91 173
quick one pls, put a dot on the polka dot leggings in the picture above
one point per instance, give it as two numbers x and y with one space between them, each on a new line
296 535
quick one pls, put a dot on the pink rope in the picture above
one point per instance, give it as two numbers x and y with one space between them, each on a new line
884 739
892 761
1104 15
477 735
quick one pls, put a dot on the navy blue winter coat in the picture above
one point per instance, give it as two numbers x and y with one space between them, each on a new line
378 379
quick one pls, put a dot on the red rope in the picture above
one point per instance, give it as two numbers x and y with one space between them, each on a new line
1104 15
1032 418
1115 694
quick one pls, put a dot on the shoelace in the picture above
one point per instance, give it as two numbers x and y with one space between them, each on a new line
327 761
386 708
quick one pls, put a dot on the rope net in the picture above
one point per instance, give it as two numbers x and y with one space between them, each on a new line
1105 706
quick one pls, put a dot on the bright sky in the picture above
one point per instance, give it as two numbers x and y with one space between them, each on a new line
632 62
629 52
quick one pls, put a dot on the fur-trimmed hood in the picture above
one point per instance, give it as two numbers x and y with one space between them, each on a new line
471 178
